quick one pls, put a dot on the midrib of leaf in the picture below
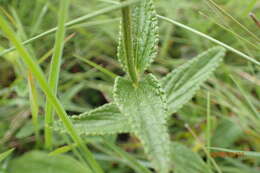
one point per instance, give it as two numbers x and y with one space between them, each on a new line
146 111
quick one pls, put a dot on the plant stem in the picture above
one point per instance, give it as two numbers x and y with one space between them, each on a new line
127 39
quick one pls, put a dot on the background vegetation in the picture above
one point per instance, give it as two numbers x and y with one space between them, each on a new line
229 100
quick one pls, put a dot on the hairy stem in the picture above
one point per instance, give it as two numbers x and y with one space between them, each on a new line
127 39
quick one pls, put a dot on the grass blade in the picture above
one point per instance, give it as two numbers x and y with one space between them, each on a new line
74 22
98 67
211 39
39 75
34 107
243 153
55 70
5 154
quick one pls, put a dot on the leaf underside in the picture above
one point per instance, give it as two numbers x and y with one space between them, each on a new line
145 109
145 36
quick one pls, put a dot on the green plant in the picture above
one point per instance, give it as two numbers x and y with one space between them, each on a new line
86 82
142 104
51 97
5 154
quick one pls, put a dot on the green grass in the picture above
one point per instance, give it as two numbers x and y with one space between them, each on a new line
55 70
59 63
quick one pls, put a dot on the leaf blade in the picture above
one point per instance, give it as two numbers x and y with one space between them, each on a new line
104 120
146 32
181 84
41 162
145 107
145 36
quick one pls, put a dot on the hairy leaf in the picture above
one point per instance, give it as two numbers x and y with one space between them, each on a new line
144 26
41 162
179 89
186 161
145 108
104 120
181 84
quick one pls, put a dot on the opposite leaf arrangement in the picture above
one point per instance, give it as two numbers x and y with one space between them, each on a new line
142 104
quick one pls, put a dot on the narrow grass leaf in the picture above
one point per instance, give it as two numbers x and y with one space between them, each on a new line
5 154
211 39
55 70
62 150
241 152
74 22
34 107
247 99
39 75
98 67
